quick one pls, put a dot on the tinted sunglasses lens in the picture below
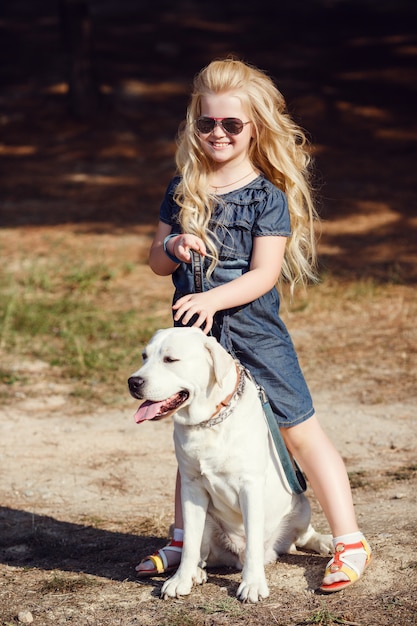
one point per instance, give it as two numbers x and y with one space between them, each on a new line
232 125
205 124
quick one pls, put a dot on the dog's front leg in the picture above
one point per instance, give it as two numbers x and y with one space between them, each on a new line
253 586
195 504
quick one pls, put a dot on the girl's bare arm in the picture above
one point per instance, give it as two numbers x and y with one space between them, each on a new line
179 247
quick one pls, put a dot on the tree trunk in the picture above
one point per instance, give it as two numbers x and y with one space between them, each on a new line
77 34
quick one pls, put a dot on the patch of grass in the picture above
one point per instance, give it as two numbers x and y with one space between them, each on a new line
10 377
181 616
402 473
76 314
60 583
79 337
358 479
411 565
89 278
227 606
324 617
360 289
393 602
152 526
93 520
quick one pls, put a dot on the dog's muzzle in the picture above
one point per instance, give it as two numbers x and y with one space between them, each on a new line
154 409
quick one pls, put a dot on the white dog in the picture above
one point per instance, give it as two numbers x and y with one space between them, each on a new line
238 508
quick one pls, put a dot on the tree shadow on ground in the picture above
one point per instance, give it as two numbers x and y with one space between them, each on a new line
38 541
42 542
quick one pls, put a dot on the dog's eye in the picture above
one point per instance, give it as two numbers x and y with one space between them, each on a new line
170 359
144 356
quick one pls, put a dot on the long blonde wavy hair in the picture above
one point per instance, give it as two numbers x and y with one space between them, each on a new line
278 150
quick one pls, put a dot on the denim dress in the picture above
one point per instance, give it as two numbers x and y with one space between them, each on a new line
252 333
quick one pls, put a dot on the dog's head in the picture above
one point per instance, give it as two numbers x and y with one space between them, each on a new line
183 372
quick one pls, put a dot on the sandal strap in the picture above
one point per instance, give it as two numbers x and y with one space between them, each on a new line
156 559
159 558
174 544
340 561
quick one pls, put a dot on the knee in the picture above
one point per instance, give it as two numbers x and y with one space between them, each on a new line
303 436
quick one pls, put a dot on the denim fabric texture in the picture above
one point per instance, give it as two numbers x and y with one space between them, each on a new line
253 333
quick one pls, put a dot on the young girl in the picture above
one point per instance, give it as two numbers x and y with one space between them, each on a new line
242 201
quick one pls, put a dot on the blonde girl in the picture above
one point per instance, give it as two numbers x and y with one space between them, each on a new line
242 200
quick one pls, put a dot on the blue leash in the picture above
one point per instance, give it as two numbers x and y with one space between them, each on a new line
292 471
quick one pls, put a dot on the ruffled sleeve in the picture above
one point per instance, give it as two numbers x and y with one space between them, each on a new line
168 212
272 215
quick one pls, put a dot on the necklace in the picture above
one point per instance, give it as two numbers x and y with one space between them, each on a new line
216 187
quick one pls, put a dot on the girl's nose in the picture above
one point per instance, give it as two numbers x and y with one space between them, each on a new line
218 131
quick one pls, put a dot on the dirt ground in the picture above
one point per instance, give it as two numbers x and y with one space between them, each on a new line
85 494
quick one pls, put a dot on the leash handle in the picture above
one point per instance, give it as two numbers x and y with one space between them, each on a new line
198 273
197 266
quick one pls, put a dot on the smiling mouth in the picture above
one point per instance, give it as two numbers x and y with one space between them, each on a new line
156 410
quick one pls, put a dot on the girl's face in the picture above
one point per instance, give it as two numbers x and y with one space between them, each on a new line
219 145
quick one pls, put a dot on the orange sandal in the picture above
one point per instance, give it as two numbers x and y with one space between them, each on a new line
160 561
340 563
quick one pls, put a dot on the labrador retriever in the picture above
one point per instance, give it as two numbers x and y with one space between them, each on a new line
238 508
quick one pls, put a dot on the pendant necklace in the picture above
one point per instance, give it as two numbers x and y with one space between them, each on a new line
216 187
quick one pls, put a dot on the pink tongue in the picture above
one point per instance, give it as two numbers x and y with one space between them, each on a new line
147 411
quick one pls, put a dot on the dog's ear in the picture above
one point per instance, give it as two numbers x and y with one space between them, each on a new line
221 359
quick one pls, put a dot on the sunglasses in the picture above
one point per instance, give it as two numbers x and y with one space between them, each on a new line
230 125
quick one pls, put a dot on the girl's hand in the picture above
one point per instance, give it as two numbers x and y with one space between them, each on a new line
200 304
181 245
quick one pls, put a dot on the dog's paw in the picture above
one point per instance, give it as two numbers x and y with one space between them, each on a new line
176 587
252 592
180 585
325 546
312 540
200 577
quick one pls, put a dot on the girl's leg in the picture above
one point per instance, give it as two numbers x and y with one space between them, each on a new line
171 554
326 472
178 521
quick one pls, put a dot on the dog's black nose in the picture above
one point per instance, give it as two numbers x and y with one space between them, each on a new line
135 384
